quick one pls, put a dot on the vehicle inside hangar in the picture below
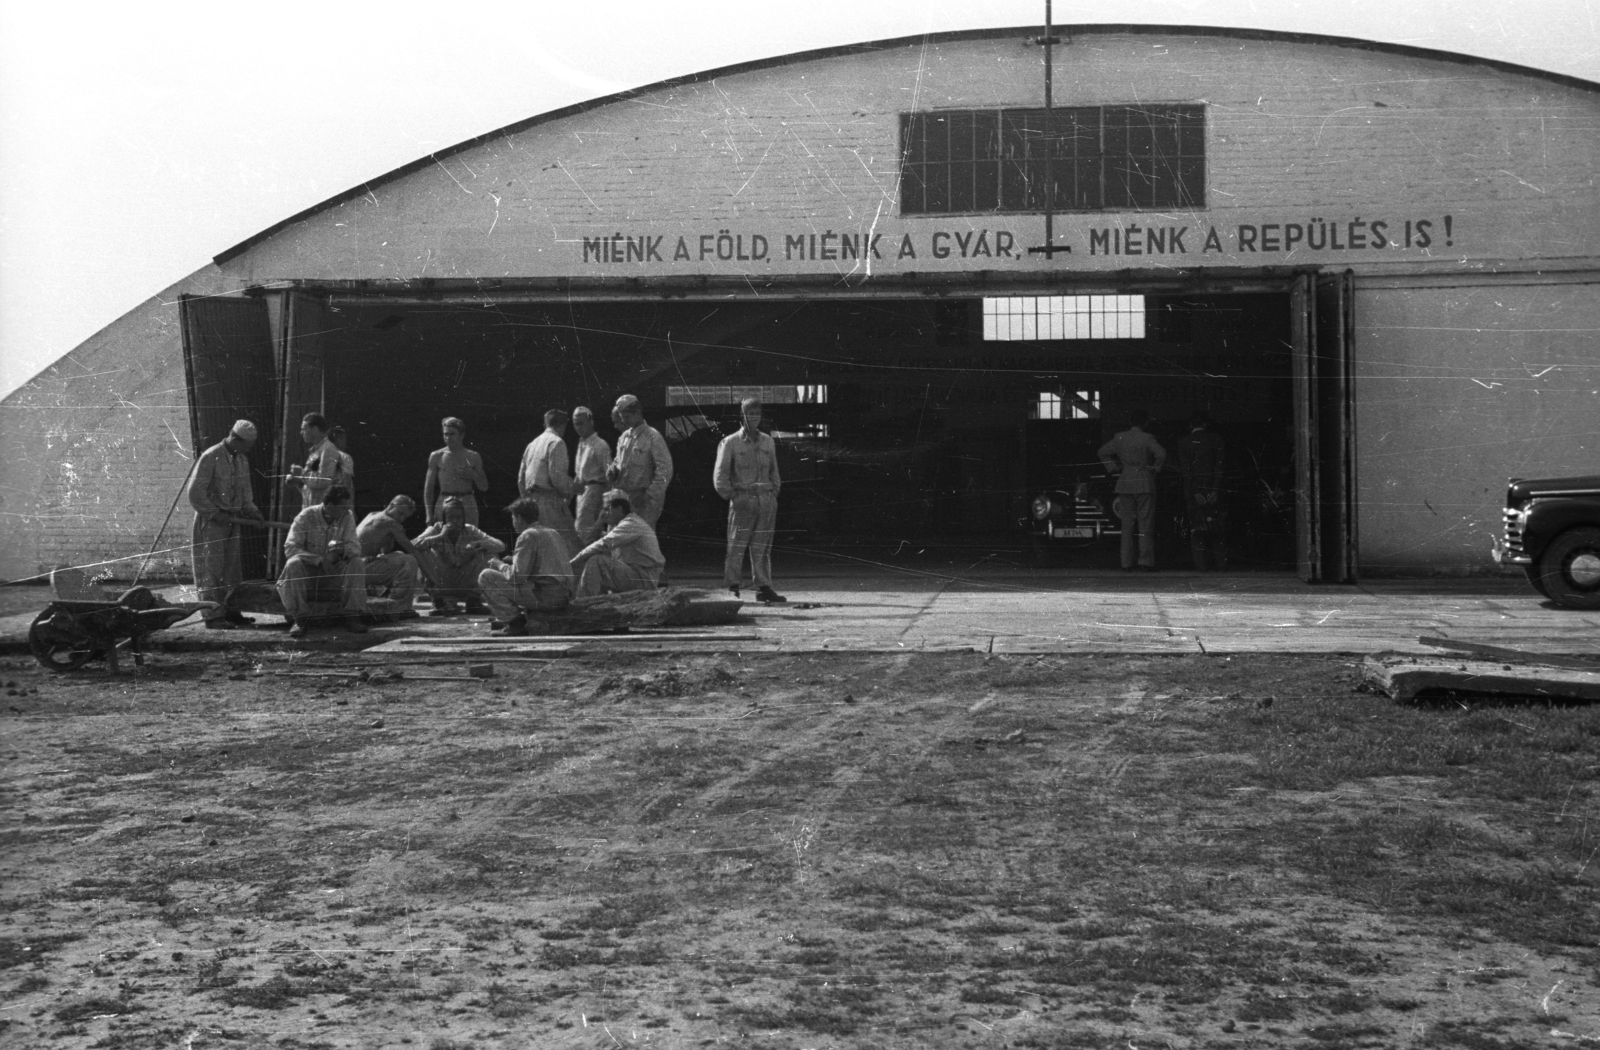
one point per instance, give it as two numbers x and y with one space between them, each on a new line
928 420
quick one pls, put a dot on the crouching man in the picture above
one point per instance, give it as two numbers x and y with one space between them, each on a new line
626 558
453 552
324 555
390 559
539 576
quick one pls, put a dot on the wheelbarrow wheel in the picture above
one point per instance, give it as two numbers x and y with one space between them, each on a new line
55 651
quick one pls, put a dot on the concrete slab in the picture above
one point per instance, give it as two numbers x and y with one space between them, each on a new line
1018 610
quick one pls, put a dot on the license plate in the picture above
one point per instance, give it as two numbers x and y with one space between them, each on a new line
1073 534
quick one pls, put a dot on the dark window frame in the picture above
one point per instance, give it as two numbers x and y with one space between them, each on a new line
1144 157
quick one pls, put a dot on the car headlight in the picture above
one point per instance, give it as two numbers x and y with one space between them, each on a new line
1041 508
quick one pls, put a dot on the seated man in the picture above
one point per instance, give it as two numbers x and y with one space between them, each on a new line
539 576
391 560
626 558
323 552
452 554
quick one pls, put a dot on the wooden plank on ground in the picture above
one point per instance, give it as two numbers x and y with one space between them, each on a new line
1515 656
1403 677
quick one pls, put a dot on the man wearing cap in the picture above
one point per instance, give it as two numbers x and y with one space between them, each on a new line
322 545
545 479
538 577
746 475
454 471
626 558
593 457
391 560
220 494
453 553
643 467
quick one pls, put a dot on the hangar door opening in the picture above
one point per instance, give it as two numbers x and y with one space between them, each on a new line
915 420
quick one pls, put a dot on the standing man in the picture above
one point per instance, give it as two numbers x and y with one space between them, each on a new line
593 457
545 479
390 559
454 471
220 494
539 576
322 461
322 543
1200 456
746 475
1136 458
627 558
643 467
347 462
453 552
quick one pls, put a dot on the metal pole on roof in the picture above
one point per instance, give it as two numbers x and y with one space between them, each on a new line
1049 248
1049 143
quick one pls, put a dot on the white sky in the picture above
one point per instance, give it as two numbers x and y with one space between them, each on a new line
139 140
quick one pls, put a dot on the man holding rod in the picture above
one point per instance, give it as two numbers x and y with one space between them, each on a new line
220 494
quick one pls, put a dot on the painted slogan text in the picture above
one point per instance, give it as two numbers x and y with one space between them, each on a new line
1236 241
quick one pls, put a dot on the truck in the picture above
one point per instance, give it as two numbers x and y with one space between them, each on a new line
1552 532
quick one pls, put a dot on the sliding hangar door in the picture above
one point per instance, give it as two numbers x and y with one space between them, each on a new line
901 420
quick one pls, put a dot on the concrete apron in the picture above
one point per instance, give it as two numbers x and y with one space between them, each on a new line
1011 611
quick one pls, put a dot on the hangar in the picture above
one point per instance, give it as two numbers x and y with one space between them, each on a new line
950 263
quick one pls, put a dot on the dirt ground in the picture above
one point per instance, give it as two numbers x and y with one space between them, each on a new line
237 849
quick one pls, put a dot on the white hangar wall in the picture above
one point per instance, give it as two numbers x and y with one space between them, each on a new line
98 445
1482 272
1298 133
1461 384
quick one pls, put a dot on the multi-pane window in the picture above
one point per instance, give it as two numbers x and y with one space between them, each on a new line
1051 317
1077 158
1066 404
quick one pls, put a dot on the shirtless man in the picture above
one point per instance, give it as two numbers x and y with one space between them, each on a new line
454 470
391 560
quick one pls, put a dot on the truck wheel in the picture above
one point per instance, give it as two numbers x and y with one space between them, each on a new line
1569 569
1532 572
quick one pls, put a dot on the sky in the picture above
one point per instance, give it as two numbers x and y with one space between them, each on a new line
139 140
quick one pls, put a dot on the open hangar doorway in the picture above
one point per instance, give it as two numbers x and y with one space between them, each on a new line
901 419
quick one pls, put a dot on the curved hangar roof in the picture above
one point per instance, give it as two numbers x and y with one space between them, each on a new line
1376 155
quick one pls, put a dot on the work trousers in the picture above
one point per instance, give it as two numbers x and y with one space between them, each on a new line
453 583
508 599
396 573
1137 512
554 514
302 583
606 575
751 516
468 501
215 557
591 507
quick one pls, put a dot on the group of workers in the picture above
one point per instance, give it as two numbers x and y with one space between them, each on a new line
604 507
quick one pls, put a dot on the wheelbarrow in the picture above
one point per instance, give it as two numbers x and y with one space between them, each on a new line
71 632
